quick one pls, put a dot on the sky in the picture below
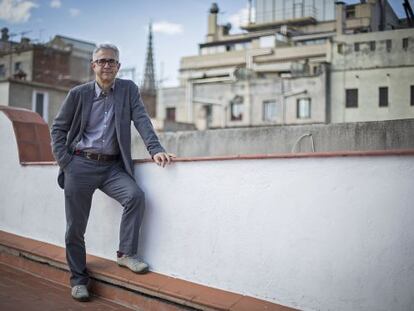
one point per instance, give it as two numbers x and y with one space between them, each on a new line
178 26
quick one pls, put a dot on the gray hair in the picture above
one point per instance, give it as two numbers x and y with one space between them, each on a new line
105 46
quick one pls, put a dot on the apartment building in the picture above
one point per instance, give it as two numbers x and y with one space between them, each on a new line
284 68
38 76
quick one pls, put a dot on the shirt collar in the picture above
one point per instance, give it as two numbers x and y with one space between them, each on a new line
98 89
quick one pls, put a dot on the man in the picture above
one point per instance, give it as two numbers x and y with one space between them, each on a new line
91 141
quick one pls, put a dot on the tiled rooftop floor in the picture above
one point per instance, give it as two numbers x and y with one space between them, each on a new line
22 291
149 292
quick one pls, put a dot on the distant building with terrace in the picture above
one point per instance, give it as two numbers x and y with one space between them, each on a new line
298 62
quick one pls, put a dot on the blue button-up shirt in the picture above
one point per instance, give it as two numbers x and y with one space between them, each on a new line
99 135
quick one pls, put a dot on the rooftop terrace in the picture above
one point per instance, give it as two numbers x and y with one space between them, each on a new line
319 231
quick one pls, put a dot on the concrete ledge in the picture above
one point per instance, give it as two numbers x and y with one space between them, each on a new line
119 284
402 152
374 135
373 153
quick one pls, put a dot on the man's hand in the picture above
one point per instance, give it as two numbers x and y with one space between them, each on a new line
163 158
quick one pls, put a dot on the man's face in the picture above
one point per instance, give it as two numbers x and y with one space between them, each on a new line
105 66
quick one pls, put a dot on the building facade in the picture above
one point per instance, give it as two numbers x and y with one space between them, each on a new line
42 98
372 76
38 76
286 69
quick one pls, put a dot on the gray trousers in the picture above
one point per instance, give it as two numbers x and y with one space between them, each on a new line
82 178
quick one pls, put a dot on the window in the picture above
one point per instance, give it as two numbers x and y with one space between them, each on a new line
405 43
303 109
350 11
2 71
383 96
351 98
298 8
340 48
236 108
170 112
356 47
372 46
269 110
40 99
40 103
388 45
209 115
17 66
412 95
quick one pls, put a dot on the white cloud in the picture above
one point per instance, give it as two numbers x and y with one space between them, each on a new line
167 28
15 11
241 18
55 4
74 12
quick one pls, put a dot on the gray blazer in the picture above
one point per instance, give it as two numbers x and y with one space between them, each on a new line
73 116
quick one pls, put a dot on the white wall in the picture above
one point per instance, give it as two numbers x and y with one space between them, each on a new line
312 233
4 93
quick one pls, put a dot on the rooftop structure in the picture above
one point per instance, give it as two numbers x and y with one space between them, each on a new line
62 61
38 76
281 69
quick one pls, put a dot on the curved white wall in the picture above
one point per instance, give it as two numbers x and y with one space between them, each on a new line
312 233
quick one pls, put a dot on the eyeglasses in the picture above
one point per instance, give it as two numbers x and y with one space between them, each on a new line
110 61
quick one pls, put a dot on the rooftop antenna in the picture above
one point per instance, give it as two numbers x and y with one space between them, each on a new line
250 12
161 80
40 34
21 34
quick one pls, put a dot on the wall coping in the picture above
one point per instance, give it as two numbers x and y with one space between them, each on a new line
336 154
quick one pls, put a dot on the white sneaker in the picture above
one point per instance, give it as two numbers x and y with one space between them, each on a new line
132 263
80 293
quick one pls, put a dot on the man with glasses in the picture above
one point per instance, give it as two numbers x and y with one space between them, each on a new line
91 141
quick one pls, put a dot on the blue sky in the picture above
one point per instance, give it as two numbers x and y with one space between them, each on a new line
179 26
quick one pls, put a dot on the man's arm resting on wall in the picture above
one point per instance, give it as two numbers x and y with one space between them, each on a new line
144 126
143 123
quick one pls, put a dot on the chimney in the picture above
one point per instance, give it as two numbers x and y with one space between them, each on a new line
212 23
382 22
5 34
340 17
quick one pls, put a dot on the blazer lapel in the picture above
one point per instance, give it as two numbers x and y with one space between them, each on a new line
87 99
